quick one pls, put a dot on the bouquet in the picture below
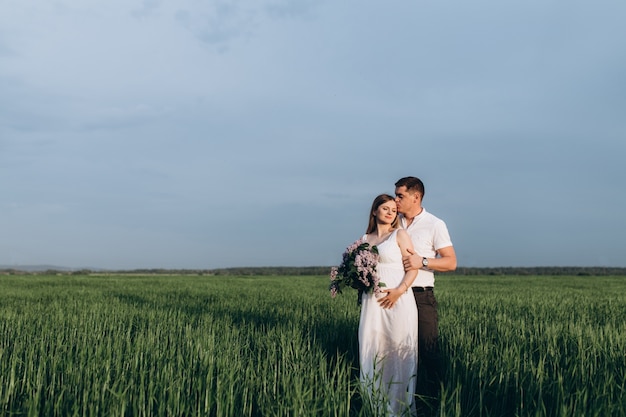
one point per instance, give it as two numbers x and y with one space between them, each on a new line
357 270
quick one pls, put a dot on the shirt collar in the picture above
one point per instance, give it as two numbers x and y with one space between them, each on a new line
415 219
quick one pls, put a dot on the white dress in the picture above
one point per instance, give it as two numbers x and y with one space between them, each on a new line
388 341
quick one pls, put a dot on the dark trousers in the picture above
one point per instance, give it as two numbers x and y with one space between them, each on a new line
429 365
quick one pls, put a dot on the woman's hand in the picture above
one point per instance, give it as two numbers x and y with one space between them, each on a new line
392 296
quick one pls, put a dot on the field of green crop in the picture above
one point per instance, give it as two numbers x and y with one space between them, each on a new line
280 346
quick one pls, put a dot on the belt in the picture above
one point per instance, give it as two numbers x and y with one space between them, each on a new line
422 289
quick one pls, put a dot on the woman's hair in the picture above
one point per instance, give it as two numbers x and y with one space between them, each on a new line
378 201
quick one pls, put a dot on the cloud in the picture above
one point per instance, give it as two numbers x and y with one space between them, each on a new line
220 23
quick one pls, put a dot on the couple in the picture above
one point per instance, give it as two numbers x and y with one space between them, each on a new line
394 324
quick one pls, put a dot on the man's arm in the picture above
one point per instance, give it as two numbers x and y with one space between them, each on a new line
445 262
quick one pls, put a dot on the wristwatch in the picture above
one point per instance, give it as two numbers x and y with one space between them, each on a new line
425 262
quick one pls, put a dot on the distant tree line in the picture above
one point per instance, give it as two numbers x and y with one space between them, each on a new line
324 270
543 270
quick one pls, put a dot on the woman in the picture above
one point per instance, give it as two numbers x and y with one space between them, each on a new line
388 330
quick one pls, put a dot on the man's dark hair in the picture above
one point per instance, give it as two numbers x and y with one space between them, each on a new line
412 184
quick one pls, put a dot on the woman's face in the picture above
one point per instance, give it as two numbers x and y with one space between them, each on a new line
386 213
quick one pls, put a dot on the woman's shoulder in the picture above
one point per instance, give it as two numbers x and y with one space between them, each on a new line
403 237
401 232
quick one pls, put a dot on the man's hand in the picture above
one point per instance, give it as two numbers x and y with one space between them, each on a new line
444 262
412 261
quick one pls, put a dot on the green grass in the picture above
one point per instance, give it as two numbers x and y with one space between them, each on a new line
280 346
535 346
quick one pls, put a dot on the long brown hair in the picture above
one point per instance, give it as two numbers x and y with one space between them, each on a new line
378 201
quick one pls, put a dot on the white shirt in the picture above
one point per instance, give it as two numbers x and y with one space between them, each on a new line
429 234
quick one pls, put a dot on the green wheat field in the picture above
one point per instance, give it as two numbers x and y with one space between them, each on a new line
75 345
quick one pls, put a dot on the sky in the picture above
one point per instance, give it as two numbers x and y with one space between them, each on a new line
202 134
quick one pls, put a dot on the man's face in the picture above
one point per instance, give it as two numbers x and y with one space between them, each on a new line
405 200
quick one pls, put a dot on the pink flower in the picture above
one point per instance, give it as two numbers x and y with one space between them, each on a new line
333 273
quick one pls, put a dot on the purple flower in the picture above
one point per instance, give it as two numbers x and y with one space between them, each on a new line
357 269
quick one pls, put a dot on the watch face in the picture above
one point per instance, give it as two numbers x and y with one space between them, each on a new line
425 261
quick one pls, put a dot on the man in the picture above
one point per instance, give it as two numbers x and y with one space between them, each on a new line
433 252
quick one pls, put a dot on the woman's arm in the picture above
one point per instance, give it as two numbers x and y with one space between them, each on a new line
406 245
